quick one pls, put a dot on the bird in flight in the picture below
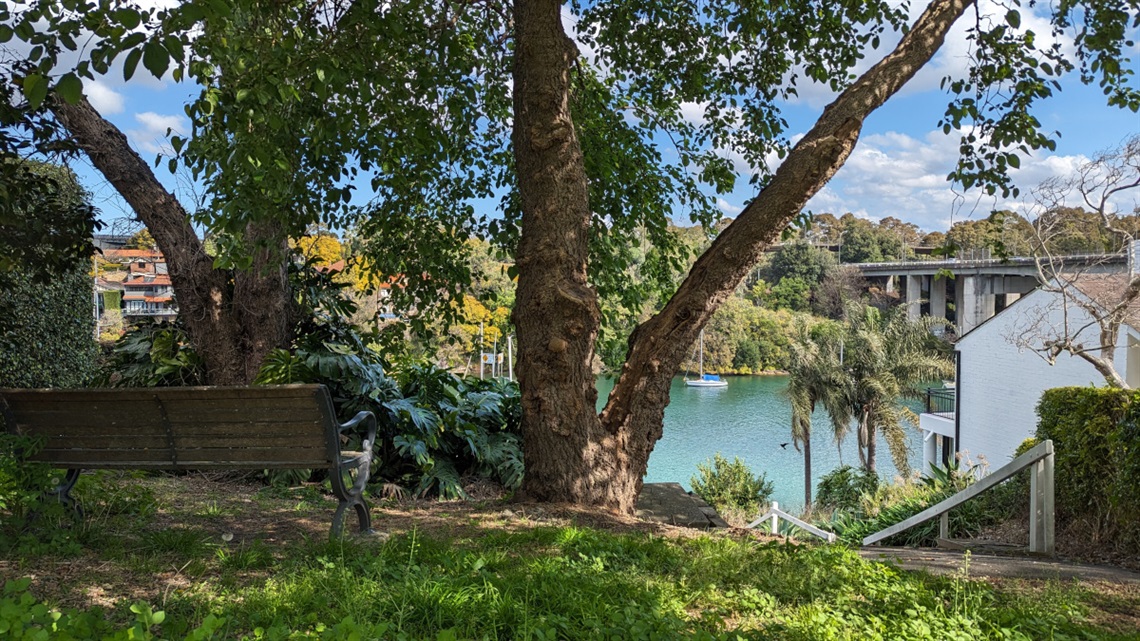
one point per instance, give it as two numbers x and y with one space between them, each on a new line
784 445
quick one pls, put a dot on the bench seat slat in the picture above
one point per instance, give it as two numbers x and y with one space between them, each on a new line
218 430
106 441
115 394
120 416
152 441
316 457
252 441
189 465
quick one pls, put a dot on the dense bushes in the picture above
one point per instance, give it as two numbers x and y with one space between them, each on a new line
1096 439
46 330
435 428
843 488
860 505
46 317
731 488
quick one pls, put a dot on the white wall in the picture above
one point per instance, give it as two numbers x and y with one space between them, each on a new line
1002 380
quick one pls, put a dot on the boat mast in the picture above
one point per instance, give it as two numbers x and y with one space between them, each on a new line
701 366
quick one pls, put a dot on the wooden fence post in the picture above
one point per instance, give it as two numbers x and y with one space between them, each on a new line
1041 505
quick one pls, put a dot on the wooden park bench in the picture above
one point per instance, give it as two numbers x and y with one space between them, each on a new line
194 428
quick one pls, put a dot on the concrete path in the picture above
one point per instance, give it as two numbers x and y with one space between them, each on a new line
988 565
669 503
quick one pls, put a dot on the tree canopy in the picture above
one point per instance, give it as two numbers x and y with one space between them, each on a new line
436 105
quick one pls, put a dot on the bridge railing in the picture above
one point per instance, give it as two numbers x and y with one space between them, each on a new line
1041 503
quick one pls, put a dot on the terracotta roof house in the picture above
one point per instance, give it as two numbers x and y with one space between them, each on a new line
146 287
148 295
1002 368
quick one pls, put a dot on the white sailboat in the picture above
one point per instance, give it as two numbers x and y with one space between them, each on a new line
705 380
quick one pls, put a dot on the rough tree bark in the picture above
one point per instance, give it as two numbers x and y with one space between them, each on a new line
569 456
233 319
573 454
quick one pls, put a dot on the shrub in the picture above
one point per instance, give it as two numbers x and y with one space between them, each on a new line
890 503
731 487
46 330
154 354
46 317
1097 447
843 488
435 428
440 428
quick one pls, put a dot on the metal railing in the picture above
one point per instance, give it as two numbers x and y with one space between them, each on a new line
940 400
774 514
1040 460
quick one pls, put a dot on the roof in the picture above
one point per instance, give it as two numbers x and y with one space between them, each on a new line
1107 291
338 266
132 254
158 279
103 284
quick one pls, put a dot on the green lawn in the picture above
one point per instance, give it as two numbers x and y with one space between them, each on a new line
485 571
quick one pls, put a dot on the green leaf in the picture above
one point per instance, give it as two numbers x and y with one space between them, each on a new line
1013 18
70 88
155 58
128 18
35 89
131 63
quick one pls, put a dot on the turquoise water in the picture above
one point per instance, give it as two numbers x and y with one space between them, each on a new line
749 419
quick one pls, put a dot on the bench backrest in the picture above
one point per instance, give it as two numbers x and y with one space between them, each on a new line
284 426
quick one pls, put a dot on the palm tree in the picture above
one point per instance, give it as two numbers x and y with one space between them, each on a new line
887 358
815 373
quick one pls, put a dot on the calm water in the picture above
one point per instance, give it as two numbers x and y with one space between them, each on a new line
749 419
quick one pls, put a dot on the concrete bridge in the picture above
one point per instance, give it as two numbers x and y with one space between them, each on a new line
980 288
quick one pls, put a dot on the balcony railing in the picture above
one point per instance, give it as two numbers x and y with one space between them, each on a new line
940 400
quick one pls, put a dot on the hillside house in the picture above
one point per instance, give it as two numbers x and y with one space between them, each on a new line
991 408
146 285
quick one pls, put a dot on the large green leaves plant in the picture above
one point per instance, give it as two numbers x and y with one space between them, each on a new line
444 427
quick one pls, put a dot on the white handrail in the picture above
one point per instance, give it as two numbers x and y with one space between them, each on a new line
1040 500
774 514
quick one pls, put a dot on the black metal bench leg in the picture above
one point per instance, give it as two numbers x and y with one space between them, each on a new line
353 496
63 493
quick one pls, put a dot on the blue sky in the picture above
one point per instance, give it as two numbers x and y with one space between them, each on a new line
898 168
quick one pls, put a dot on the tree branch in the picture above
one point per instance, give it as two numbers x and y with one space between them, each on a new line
200 290
658 345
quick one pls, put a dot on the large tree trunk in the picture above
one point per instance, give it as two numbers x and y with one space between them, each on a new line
570 455
233 320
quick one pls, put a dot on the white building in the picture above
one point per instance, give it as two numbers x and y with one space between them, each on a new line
1001 373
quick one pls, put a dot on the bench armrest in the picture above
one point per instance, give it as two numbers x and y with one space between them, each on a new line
369 419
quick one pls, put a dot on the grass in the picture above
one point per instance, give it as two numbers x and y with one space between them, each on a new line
455 571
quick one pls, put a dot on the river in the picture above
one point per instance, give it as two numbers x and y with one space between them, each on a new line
750 419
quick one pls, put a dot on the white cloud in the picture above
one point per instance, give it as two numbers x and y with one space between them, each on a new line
893 174
105 100
694 112
728 207
151 138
